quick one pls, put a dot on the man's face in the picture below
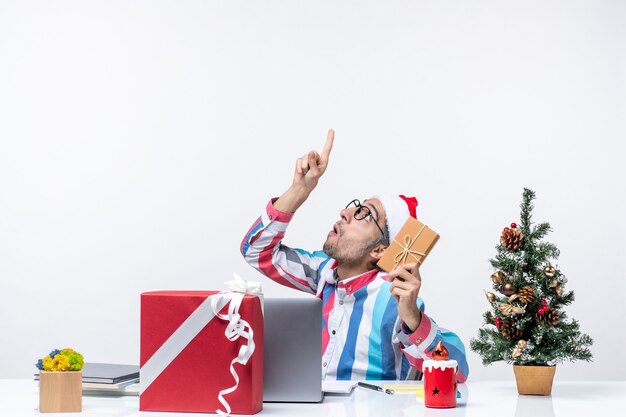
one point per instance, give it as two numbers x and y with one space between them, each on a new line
350 240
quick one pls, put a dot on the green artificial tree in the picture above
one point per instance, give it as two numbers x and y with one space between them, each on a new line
527 324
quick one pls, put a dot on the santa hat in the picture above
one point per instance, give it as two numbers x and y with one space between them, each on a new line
398 208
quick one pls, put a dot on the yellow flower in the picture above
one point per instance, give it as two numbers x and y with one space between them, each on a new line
47 363
60 363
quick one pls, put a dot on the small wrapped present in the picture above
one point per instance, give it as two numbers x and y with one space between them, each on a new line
412 244
201 351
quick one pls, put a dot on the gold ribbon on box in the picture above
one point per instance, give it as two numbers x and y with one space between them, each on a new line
406 250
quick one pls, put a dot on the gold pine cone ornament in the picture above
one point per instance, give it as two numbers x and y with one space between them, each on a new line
526 294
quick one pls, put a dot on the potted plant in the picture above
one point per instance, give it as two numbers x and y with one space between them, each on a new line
526 324
60 381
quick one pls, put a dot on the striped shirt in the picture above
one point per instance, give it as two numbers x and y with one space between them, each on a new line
362 336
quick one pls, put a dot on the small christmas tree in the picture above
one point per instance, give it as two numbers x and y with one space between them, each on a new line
527 324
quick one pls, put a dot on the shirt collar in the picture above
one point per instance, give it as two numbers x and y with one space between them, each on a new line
353 284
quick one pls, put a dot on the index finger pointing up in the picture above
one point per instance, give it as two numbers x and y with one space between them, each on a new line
328 146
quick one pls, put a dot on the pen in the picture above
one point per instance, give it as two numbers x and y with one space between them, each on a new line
375 388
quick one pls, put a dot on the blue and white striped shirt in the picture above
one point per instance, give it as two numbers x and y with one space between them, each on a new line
362 336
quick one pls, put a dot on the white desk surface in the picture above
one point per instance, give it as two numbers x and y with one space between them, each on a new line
19 397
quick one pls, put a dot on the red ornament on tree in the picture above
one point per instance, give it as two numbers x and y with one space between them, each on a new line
513 225
543 310
505 229
498 322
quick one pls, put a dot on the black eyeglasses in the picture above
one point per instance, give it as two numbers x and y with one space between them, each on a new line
363 212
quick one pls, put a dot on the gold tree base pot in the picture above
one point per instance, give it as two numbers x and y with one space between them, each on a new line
534 380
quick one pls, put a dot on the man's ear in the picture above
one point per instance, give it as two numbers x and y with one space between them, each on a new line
378 251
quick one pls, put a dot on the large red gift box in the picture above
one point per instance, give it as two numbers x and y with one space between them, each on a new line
184 368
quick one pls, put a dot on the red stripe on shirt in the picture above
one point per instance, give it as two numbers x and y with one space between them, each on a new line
328 307
266 265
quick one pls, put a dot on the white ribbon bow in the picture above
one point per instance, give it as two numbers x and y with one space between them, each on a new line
237 327
239 284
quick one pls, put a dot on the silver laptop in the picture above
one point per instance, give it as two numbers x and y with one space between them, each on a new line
292 370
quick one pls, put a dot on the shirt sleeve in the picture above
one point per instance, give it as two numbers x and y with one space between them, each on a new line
419 345
262 248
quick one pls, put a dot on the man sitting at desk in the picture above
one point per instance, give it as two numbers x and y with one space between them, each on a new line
374 325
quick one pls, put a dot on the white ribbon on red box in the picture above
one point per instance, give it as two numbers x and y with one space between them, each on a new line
237 327
201 316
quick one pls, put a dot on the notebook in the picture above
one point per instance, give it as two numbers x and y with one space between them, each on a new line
109 373
338 387
292 366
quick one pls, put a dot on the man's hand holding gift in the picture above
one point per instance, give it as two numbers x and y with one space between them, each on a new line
405 287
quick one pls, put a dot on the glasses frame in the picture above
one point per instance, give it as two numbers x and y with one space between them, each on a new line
359 209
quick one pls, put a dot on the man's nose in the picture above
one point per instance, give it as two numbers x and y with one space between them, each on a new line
346 214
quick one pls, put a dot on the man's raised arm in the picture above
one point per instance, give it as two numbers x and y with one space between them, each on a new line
309 168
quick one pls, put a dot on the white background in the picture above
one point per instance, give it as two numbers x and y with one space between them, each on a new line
140 139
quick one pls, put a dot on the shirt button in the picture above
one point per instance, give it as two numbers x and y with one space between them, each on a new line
418 340
340 302
333 332
350 288
270 217
325 364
